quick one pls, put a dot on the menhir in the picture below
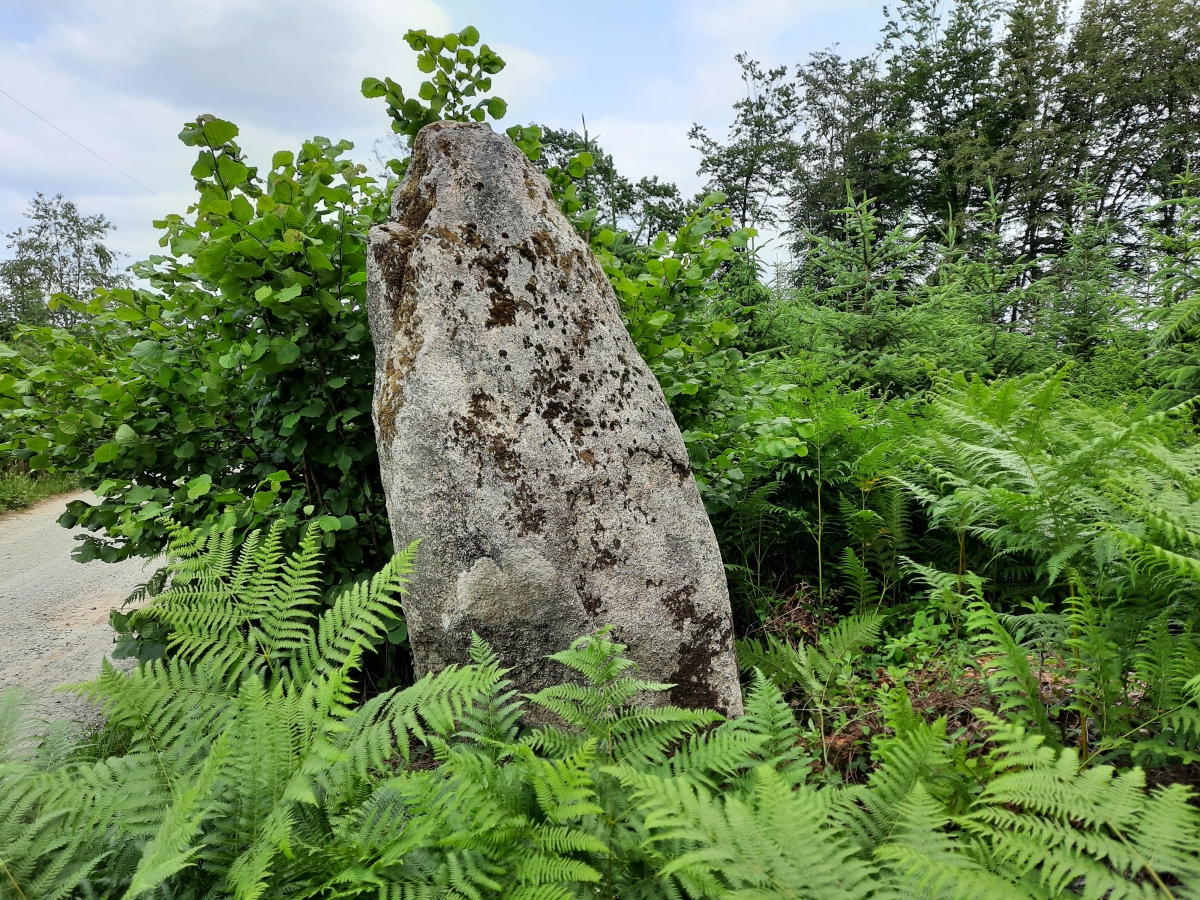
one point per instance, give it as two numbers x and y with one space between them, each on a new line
522 438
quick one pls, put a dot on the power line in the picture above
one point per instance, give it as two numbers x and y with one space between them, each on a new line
88 149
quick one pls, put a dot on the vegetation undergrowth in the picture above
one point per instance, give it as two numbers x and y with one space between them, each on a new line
20 488
948 448
248 772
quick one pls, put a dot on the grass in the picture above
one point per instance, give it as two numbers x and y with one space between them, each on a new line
19 489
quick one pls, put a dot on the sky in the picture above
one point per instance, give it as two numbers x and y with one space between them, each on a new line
121 77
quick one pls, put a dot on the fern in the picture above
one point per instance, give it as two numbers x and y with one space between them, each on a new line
1047 819
814 669
603 709
1033 473
1010 677
250 773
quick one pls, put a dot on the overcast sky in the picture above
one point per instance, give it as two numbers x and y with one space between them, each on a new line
122 76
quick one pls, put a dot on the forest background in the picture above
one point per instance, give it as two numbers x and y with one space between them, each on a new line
949 452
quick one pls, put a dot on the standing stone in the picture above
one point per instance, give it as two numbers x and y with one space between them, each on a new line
523 439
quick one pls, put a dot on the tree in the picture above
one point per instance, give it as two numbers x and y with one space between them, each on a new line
61 251
850 131
753 165
642 210
1131 101
977 100
599 186
659 207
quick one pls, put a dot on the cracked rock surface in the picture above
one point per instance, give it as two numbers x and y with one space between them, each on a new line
523 439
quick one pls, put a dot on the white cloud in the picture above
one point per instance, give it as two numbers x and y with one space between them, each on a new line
731 21
285 63
526 75
122 77
642 148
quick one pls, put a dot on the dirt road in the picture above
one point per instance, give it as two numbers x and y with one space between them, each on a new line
54 611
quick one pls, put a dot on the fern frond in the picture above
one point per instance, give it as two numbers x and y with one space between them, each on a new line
1011 678
173 848
777 840
923 860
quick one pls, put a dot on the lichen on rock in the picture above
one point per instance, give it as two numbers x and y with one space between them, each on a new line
522 438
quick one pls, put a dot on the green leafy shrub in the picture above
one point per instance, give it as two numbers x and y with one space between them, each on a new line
235 389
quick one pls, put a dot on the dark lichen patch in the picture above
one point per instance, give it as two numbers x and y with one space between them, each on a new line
545 246
694 672
492 450
584 322
448 238
531 518
480 406
504 306
680 605
507 460
411 206
592 602
393 257
471 237
604 557
681 470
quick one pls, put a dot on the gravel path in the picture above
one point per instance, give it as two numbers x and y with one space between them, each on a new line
54 611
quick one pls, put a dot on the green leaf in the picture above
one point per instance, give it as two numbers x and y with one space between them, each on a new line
218 132
496 108
399 633
241 210
199 486
287 353
203 167
291 292
126 435
469 36
146 350
232 172
318 260
105 452
329 523
212 202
